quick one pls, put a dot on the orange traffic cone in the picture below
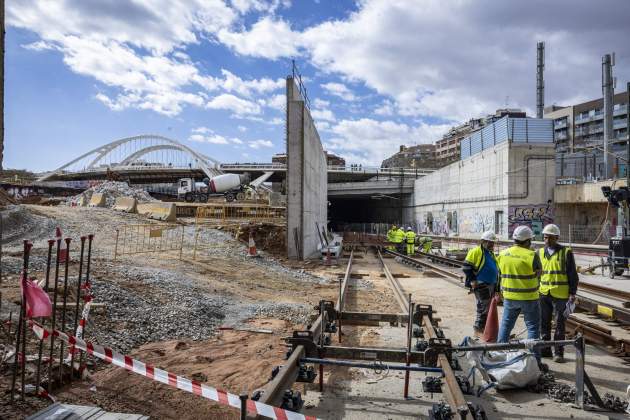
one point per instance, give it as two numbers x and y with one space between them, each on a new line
251 252
63 251
491 331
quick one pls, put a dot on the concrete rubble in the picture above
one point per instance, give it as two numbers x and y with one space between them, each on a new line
111 190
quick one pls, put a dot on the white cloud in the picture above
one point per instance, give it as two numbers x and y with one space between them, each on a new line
373 140
340 90
257 144
235 104
323 115
233 83
269 38
385 109
277 102
321 103
242 128
207 135
39 46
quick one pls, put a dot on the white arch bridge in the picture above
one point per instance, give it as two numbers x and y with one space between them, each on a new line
141 158
150 158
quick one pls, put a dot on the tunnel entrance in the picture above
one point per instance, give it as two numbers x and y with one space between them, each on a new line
346 213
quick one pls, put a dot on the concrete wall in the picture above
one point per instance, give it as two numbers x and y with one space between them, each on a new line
496 189
307 178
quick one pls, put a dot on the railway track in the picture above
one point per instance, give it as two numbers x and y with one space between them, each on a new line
593 332
276 390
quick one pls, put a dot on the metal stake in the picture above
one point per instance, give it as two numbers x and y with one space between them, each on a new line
579 372
63 311
18 333
51 242
410 305
76 309
53 323
87 284
340 308
243 398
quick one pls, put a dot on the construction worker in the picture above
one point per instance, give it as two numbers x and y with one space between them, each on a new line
399 239
519 269
482 274
390 237
558 285
410 239
427 244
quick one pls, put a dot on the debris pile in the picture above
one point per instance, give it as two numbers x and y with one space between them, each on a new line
268 237
111 190
565 393
5 199
20 223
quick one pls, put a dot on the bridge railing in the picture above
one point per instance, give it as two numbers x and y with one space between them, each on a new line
331 168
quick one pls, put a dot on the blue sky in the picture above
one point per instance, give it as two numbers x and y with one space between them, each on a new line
210 73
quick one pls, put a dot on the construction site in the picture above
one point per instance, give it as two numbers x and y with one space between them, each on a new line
145 279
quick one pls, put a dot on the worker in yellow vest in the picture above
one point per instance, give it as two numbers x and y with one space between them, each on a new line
410 239
390 237
558 285
520 268
399 239
482 274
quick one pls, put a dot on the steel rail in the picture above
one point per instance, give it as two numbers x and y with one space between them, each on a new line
453 393
416 262
273 392
621 295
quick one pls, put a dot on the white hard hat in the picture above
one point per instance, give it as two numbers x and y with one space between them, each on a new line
551 229
522 233
409 228
489 236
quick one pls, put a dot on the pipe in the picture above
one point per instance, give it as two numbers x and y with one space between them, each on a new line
369 366
515 345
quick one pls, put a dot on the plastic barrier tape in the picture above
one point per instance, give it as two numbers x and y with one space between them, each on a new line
159 375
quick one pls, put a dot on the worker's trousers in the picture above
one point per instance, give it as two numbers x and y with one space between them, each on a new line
552 308
411 249
511 311
483 295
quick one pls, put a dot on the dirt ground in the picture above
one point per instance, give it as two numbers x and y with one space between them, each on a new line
167 311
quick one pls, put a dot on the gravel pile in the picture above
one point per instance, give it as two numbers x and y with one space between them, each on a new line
111 190
158 304
18 223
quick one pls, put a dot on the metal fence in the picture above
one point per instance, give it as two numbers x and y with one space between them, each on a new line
588 234
148 238
254 212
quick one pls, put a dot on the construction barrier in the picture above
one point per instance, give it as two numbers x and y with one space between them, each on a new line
149 238
135 366
159 211
252 213
97 200
126 204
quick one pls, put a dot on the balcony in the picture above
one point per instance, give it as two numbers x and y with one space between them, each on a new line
582 119
621 110
620 124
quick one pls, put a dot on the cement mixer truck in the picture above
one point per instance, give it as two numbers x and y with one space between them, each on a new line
231 186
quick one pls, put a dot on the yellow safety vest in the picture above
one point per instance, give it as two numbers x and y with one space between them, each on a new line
390 235
411 237
554 277
518 279
399 236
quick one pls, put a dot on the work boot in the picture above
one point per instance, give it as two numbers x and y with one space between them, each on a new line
558 358
478 332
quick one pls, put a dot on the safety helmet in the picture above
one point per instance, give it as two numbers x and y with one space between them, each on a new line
394 226
489 236
522 233
551 229
409 228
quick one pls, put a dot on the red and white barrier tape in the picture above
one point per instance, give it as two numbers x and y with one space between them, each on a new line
159 375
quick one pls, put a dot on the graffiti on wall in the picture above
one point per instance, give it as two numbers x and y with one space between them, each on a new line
534 216
476 222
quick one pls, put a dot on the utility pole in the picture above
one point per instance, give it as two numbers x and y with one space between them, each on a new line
628 134
608 92
2 86
540 82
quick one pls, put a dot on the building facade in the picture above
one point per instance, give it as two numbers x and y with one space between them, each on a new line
447 149
581 127
507 180
419 156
